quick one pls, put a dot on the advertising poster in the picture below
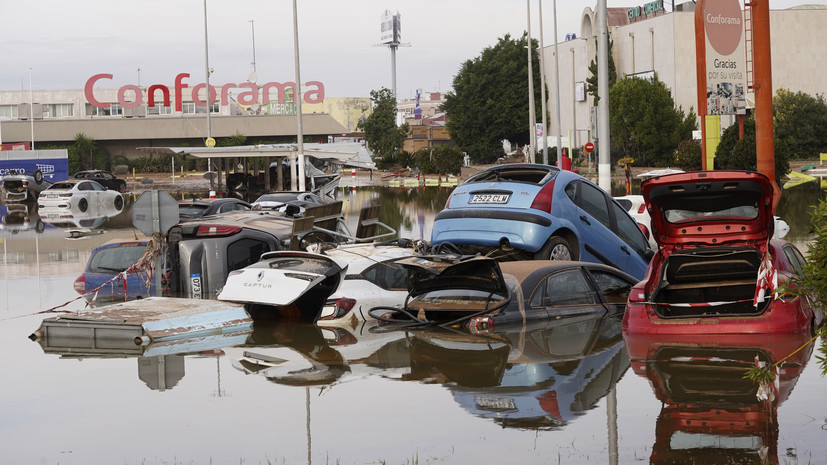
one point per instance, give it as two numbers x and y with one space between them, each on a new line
725 58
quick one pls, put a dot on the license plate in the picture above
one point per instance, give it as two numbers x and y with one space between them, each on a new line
195 281
489 198
495 403
52 196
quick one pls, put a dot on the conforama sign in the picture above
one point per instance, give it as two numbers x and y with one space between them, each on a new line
250 93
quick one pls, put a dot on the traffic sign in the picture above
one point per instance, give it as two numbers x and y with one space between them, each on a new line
589 147
210 142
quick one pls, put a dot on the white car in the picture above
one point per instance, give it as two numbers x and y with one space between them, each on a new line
374 279
280 201
79 194
637 209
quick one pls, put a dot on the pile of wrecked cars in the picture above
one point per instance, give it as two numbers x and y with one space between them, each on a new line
714 257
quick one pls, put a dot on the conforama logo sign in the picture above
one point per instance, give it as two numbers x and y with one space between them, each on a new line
250 93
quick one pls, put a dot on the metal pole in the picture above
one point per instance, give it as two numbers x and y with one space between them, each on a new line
604 175
298 99
543 85
31 107
764 144
557 92
207 79
532 119
253 27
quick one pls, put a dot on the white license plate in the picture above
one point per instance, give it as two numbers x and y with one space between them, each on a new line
52 196
494 403
489 198
195 281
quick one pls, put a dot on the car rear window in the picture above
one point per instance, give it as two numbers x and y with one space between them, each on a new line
191 210
115 259
517 174
711 213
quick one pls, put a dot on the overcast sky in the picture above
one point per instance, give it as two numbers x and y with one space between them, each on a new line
64 43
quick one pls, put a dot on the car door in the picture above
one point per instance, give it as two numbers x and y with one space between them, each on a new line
634 249
564 293
593 220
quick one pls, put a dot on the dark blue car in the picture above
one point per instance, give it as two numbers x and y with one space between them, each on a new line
102 271
533 211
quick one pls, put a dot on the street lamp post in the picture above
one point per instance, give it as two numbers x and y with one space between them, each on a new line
253 27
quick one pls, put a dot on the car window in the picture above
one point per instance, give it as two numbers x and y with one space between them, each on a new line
388 275
795 257
568 287
85 186
613 288
593 200
245 252
629 231
115 259
625 203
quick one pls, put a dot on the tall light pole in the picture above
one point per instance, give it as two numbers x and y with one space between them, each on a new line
604 175
543 87
297 96
207 80
31 107
532 119
253 27
557 92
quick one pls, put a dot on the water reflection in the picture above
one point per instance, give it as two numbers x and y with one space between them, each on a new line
710 413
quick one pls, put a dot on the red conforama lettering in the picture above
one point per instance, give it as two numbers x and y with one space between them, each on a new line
252 93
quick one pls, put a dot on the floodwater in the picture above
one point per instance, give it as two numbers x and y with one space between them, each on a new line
573 392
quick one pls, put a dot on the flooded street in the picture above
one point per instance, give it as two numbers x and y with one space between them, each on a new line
568 392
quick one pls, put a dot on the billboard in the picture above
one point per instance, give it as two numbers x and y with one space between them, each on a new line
725 58
391 28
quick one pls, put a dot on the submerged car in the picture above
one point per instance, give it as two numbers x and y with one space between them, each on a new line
337 287
79 194
105 278
536 211
196 208
21 186
635 205
718 268
293 203
482 294
104 178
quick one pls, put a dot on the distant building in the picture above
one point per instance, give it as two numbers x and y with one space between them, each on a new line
648 40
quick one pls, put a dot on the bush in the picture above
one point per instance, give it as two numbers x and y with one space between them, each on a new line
688 155
120 170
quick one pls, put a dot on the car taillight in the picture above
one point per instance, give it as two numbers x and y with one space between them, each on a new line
66 195
344 305
641 209
637 296
480 324
543 199
216 230
80 284
448 202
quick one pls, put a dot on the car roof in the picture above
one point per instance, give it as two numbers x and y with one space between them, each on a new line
361 256
272 222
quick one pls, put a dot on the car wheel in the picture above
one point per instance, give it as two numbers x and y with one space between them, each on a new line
83 205
119 203
38 176
557 248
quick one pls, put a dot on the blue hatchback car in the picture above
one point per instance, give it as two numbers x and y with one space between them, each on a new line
525 211
102 269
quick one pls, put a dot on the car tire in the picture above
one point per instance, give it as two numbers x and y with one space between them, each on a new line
119 203
83 205
38 176
557 248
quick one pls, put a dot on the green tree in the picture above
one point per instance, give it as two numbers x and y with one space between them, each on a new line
591 81
86 154
688 155
800 121
740 154
644 123
489 101
441 159
382 134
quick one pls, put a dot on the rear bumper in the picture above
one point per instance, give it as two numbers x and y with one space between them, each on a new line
526 231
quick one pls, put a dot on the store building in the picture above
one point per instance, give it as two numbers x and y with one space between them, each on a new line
649 40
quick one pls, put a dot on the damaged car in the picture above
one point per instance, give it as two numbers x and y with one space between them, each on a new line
718 270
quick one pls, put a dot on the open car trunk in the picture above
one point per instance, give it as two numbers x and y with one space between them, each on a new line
709 282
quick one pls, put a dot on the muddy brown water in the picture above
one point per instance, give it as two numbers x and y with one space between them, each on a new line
571 392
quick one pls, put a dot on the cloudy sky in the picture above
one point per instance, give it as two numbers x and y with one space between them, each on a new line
59 44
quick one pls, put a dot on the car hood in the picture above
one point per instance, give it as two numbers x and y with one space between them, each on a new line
438 273
710 208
